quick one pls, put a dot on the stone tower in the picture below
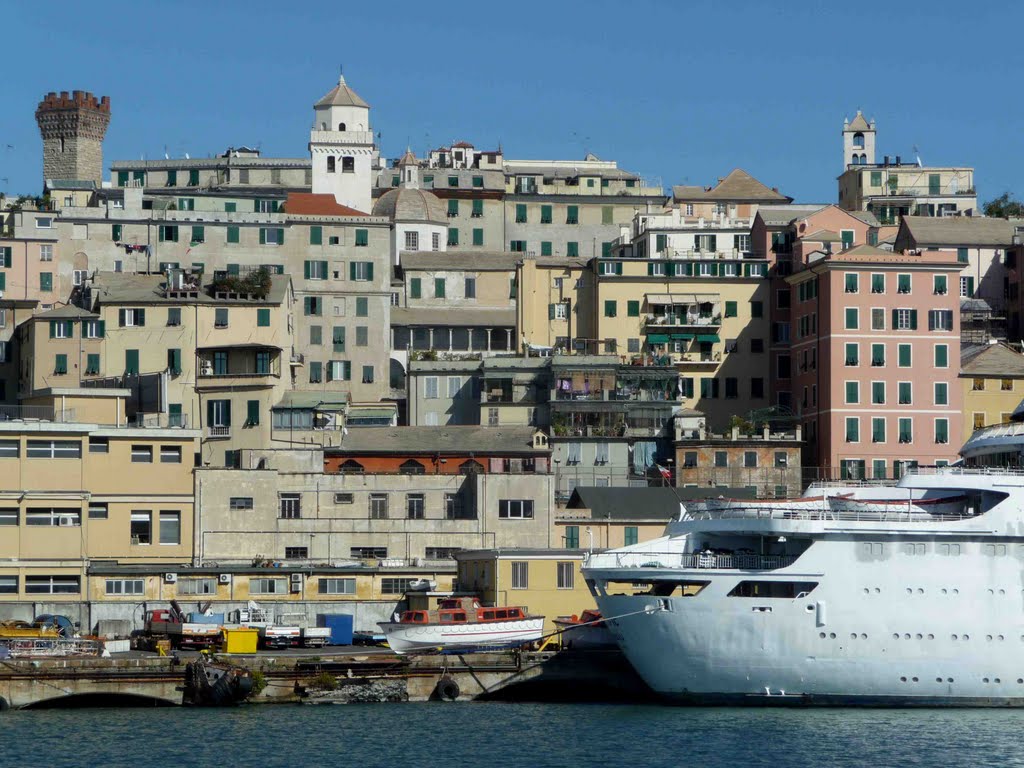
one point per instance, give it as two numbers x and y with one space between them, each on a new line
342 147
73 128
858 141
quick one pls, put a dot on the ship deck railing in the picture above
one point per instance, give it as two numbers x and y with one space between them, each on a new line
898 513
688 560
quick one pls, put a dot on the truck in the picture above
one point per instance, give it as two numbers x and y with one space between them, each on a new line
277 636
170 623
315 637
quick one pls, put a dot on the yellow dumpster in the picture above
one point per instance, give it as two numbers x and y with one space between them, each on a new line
240 639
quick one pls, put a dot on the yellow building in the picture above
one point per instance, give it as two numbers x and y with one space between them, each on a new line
546 582
992 376
609 518
215 356
80 486
707 317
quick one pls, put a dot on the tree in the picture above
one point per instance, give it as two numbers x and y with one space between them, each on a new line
1004 207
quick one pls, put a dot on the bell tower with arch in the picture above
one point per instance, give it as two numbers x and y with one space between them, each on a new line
858 141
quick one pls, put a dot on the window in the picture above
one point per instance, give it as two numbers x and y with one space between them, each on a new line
362 335
414 506
566 575
905 393
520 574
610 308
240 502
852 429
572 214
470 288
756 309
393 585
942 431
852 353
572 537
45 281
52 585
902 283
453 236
939 285
362 238
878 392
63 517
296 553
378 506
906 430
852 318
125 587
978 385
142 527
940 320
290 505
268 586
941 393
328 586
904 319
453 208
941 356
53 449
361 271
218 413
1006 385
439 287
170 527
750 459
852 392
313 306
515 509
878 355
852 282
220 317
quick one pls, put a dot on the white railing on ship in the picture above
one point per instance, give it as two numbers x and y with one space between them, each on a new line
966 471
688 560
900 512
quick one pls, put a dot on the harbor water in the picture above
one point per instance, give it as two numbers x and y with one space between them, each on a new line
509 735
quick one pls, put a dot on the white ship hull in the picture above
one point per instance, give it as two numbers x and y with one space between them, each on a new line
908 612
409 638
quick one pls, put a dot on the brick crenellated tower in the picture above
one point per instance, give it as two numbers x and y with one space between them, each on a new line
73 128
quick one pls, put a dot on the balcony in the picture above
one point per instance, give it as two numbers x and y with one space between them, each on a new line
37 413
697 361
248 365
218 432
689 320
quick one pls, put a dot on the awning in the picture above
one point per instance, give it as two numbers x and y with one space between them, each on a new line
708 338
682 337
673 299
657 338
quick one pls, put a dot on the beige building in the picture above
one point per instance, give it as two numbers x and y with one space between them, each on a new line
992 377
382 494
609 518
81 486
211 356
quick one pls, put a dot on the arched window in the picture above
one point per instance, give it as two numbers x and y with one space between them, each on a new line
331 163
341 127
351 467
412 467
323 126
863 159
858 140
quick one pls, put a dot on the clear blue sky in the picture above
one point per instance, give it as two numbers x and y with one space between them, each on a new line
684 91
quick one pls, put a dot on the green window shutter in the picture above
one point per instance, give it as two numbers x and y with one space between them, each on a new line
234 269
232 234
512 288
941 431
851 318
650 269
263 236
520 213
572 249
92 363
316 235
970 287
3 281
731 309
209 412
306 269
913 319
256 206
962 255
193 178
756 309
670 268
941 356
122 178
323 269
53 329
174 360
230 207
851 283
551 311
439 287
363 306
606 250
633 308
478 208
660 242
572 214
545 214
478 181
352 270
847 238
369 270
7 255
115 231
362 237
61 364
415 288
478 237
131 361
338 338
120 317
453 236
610 308
545 248
895 319
453 207
252 412
904 355
69 329
46 281
852 392
263 317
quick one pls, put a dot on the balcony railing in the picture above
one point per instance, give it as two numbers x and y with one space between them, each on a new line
218 431
37 413
694 320
688 560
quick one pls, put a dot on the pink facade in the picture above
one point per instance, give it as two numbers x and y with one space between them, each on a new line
876 354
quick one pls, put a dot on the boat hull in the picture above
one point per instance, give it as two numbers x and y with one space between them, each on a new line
411 638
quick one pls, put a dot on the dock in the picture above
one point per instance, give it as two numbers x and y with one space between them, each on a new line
333 677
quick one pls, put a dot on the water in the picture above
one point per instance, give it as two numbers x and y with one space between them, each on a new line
468 735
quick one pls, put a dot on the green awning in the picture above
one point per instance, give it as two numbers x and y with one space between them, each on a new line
682 337
711 338
657 338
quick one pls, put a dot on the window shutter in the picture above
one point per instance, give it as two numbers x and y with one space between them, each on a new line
650 269
970 287
895 319
369 270
551 311
140 316
209 413
713 244
323 269
306 269
53 329
351 270
618 268
280 235
263 236
102 328
670 269
316 236
252 415
913 319
234 269
256 206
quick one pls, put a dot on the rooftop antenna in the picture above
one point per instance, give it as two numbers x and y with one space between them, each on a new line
917 154
166 156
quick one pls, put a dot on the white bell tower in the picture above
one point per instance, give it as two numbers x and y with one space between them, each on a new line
342 149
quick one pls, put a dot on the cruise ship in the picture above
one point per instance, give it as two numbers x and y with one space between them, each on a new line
903 595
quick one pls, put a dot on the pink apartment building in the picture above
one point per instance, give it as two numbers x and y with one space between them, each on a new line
876 351
786 235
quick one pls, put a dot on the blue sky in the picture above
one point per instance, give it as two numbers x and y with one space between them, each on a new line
681 91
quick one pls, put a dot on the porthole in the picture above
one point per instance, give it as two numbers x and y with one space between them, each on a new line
919 636
863 636
895 635
955 637
938 679
1002 591
1000 638
809 609
832 635
997 680
920 591
1020 680
821 635
867 591
910 591
853 635
931 636
949 679
967 637
913 679
878 591
991 592
956 591
906 636
984 679
945 591
989 638
903 679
